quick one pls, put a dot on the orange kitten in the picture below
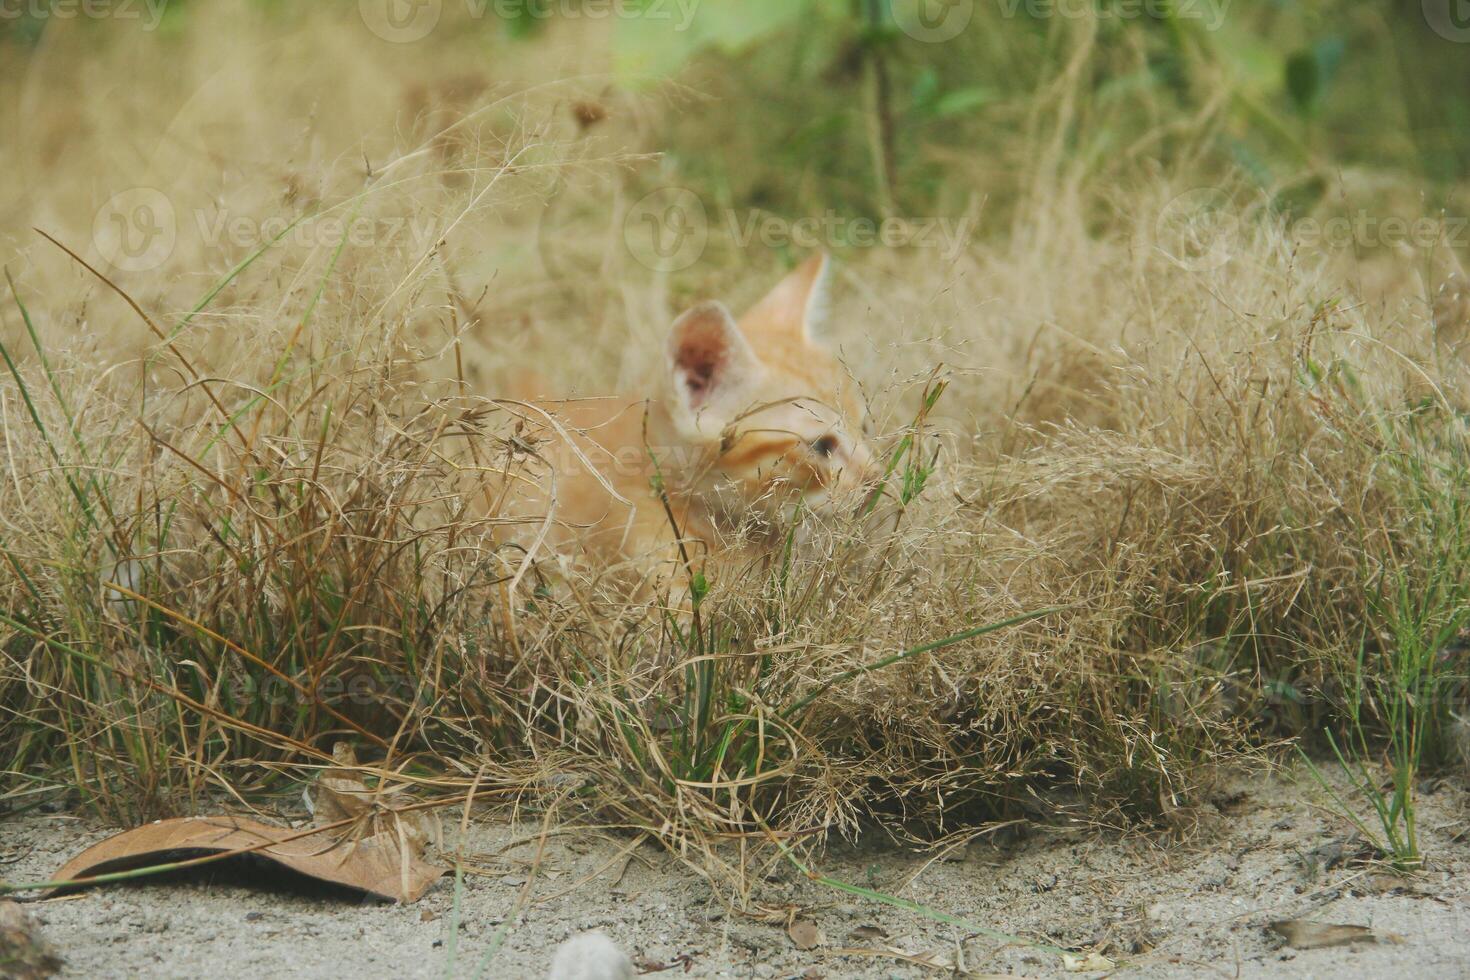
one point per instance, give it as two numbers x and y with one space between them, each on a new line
747 420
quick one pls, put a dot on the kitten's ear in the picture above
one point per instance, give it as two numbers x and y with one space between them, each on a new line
799 303
712 369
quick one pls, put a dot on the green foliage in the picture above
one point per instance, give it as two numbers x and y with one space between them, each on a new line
835 91
1309 72
1401 696
649 49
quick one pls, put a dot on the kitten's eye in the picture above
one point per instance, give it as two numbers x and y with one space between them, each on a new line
825 446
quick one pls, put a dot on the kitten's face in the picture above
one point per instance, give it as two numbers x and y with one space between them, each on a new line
781 419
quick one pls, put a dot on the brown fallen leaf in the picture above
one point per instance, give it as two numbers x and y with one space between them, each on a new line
1305 934
379 865
805 934
340 793
24 955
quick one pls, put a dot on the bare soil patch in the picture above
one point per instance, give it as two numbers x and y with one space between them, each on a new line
1271 849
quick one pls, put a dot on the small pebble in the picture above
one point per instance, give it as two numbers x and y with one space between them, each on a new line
590 956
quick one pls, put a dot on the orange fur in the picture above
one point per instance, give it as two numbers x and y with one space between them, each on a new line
745 421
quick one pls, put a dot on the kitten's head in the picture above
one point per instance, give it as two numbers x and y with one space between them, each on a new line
780 418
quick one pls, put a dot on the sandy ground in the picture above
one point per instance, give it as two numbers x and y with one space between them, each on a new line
1272 850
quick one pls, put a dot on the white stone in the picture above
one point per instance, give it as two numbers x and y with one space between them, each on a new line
590 956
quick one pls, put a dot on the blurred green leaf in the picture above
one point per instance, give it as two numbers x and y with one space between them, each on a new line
1254 64
963 100
931 101
1329 52
1310 71
520 24
926 90
653 47
1303 80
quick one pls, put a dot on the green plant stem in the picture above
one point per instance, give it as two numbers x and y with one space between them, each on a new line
948 641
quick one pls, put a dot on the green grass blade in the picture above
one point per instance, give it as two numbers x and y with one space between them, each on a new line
948 641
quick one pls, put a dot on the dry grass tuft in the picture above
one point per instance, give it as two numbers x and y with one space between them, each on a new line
263 528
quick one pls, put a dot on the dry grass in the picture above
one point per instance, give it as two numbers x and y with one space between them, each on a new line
227 550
